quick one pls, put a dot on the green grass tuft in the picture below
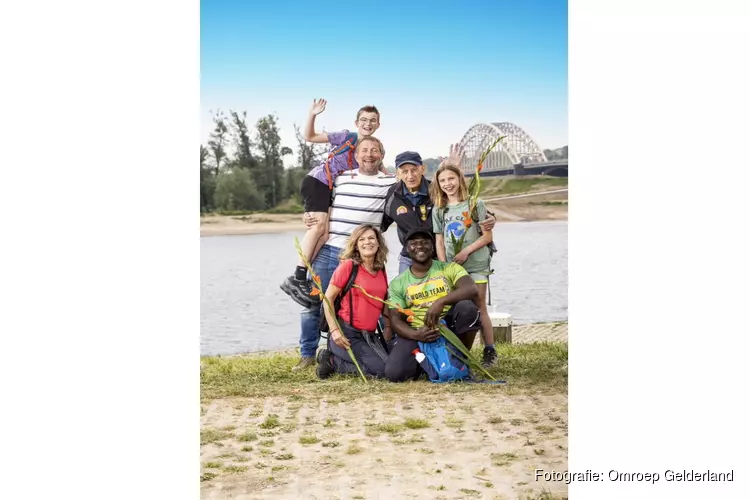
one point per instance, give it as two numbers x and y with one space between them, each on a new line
537 367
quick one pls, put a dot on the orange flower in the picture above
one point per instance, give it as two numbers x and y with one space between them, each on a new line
479 167
316 279
315 291
467 219
409 314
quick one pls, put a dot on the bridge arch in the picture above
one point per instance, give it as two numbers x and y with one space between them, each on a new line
517 148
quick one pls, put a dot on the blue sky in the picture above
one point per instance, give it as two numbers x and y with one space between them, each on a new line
433 68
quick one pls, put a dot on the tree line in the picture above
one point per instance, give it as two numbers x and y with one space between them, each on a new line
243 170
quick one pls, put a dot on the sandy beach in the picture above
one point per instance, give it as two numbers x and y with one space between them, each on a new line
543 207
267 432
482 444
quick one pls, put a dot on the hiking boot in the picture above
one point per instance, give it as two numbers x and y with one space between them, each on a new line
489 356
300 292
304 363
325 364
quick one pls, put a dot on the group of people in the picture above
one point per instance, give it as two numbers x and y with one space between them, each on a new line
350 200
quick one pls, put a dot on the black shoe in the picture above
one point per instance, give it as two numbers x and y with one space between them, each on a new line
300 292
489 356
325 364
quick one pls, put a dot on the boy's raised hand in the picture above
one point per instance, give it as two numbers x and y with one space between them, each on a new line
318 106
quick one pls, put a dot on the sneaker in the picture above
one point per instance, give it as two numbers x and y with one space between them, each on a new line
325 364
300 292
304 363
489 356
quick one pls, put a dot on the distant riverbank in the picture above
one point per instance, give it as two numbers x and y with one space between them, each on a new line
543 207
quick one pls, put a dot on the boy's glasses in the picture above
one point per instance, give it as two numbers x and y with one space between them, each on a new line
365 121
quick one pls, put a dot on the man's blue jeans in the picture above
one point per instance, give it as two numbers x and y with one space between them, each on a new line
403 263
324 265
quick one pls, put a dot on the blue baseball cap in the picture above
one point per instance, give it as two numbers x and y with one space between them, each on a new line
408 157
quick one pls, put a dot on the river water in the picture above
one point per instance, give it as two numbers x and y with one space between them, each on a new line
244 310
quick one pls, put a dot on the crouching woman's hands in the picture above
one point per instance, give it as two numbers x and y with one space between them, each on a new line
340 340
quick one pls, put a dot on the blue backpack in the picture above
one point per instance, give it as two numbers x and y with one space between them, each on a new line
441 362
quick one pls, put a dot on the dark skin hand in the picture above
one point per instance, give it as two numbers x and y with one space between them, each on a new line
466 289
421 334
432 316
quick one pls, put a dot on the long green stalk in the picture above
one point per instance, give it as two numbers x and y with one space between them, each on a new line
444 331
318 286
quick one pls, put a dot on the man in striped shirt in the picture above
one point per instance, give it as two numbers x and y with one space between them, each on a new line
358 198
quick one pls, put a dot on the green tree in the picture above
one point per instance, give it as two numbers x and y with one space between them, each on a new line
308 154
207 182
235 190
218 142
294 178
271 171
242 144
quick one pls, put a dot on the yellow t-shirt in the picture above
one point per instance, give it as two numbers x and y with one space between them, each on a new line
418 294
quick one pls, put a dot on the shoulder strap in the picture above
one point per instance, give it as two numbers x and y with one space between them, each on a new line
350 282
347 289
441 215
349 143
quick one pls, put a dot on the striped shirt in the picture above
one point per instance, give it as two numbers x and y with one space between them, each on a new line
357 199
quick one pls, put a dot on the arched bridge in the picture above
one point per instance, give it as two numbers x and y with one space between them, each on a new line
517 154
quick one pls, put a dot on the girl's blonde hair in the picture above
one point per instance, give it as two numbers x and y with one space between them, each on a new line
439 198
352 252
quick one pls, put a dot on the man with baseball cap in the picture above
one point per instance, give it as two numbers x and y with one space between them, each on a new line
440 290
408 202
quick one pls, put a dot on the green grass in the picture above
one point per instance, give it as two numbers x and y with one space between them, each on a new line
543 495
353 450
471 493
548 203
454 423
502 459
235 469
528 368
522 184
213 436
416 423
270 422
307 440
247 436
290 206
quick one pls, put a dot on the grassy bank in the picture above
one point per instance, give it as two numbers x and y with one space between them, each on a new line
526 367
491 186
499 186
291 206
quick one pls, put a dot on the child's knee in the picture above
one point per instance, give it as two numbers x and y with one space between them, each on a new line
321 226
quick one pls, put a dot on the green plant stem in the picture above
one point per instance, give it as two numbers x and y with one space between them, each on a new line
444 331
320 289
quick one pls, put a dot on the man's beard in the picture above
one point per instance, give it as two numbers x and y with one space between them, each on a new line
372 170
